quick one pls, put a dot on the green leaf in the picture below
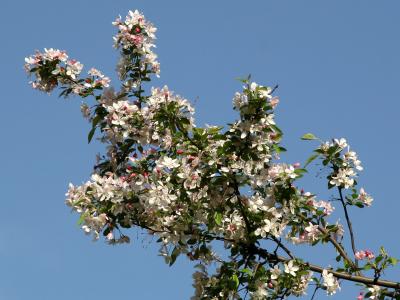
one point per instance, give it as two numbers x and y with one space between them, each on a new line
175 253
315 242
218 218
191 241
235 280
91 133
247 271
81 218
378 259
79 201
309 137
311 159
359 204
367 267
300 171
95 121
244 80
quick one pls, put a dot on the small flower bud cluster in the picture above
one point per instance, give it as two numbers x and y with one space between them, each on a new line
364 254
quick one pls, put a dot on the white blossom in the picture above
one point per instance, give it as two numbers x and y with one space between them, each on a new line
343 178
291 268
275 272
330 282
365 198
342 143
375 292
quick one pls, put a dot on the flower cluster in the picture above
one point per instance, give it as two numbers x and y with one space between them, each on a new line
273 224
345 166
43 65
145 123
136 39
98 79
300 287
291 273
52 68
325 205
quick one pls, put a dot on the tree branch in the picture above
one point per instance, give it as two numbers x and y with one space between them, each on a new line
338 247
282 246
315 268
355 278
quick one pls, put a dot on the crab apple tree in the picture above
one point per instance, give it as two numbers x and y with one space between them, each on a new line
194 187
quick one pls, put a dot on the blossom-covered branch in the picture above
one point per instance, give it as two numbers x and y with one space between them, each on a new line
193 186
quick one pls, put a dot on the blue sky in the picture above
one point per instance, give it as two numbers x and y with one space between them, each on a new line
337 64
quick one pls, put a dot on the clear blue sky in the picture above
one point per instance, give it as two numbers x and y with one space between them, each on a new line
338 67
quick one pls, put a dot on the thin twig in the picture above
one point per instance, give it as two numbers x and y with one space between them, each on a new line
346 214
338 247
282 246
315 292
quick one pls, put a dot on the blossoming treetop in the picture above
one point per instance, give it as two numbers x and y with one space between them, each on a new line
193 187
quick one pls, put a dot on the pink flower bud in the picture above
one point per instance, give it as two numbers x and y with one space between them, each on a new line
274 102
360 255
369 254
110 236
